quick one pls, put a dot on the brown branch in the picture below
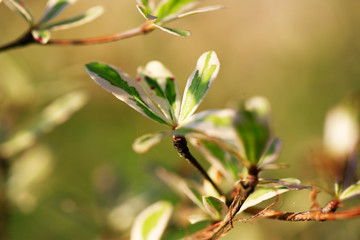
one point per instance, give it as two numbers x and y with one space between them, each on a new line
181 147
217 230
27 38
324 214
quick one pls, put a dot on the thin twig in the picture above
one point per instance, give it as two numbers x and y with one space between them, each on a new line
218 229
181 147
27 38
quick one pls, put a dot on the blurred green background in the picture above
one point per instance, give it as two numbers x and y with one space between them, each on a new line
302 55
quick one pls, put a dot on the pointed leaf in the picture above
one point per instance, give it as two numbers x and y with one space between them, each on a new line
199 83
20 7
151 223
261 194
253 127
215 207
145 142
271 153
290 183
86 17
42 36
54 8
122 86
195 218
176 32
170 8
146 4
160 85
350 192
145 13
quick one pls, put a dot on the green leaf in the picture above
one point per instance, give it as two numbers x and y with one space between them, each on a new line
170 8
122 86
151 223
160 85
253 127
86 17
176 32
145 142
20 7
42 36
145 13
53 115
271 153
54 8
215 207
199 83
350 192
146 4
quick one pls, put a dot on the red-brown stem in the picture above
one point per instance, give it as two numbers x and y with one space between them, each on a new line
27 38
218 229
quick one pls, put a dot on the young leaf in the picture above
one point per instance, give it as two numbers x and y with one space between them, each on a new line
170 8
176 32
20 7
42 36
215 207
160 85
145 142
86 17
350 192
199 83
122 86
54 8
145 13
151 223
252 125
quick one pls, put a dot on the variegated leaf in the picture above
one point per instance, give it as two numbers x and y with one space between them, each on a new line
86 17
215 207
122 86
151 223
42 36
145 142
167 9
271 153
350 192
176 32
161 86
253 127
145 13
54 8
261 194
20 7
290 183
213 125
199 83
